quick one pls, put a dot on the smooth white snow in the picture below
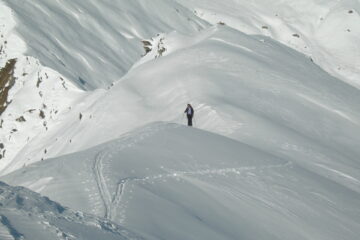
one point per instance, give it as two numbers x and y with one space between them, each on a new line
327 31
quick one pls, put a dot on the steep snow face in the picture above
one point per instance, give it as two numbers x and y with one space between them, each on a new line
38 98
93 42
11 45
25 215
326 31
167 181
33 97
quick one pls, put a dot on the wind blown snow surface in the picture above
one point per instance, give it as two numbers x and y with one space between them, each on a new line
27 215
167 181
326 31
95 42
276 155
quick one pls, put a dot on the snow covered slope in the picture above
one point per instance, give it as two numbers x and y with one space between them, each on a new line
32 96
94 42
299 107
248 88
71 45
286 162
327 31
36 98
167 181
25 215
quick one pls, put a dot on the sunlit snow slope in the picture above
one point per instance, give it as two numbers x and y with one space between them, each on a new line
167 181
328 32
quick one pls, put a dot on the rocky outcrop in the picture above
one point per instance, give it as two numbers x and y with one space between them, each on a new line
7 80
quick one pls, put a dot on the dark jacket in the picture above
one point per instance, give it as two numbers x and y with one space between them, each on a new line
191 114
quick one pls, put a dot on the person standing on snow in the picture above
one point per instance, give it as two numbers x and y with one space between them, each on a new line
189 114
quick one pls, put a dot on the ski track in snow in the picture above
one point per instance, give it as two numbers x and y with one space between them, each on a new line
102 187
205 172
113 201
120 190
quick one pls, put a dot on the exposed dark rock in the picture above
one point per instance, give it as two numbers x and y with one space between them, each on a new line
21 119
7 81
42 114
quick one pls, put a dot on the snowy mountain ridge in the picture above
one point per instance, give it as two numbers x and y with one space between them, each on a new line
326 31
94 43
132 34
84 84
50 107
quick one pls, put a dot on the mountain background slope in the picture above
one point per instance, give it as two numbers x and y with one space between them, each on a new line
94 43
325 31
